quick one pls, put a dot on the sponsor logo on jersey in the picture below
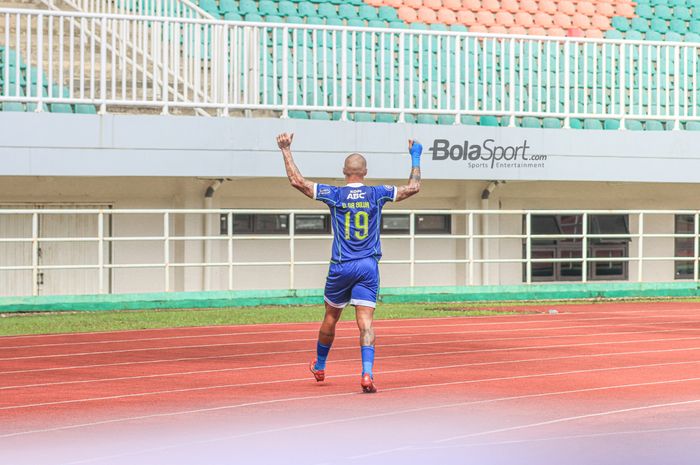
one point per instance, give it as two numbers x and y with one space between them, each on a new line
325 190
356 194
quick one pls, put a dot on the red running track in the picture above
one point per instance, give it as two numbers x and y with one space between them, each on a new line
614 383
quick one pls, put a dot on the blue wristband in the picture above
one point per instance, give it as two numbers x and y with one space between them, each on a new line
416 151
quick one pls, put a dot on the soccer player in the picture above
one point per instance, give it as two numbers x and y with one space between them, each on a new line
353 277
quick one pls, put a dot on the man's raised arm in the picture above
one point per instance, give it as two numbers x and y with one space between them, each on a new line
284 142
413 186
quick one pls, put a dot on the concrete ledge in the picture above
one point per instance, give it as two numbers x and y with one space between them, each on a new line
221 299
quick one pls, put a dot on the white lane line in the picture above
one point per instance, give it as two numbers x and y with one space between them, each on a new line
570 419
297 364
353 347
306 379
378 415
536 311
286 341
346 327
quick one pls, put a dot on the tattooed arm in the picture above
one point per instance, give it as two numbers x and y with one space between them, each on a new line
413 186
284 142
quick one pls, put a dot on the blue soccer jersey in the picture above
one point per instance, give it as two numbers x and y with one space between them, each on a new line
356 217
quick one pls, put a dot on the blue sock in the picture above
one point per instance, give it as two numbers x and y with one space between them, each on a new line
321 356
367 359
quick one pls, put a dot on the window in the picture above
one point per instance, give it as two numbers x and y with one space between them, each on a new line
256 224
425 224
433 224
571 248
684 246
312 224
396 224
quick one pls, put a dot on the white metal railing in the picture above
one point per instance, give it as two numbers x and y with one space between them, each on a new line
470 253
229 66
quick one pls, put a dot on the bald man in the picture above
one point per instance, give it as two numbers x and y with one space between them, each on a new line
353 276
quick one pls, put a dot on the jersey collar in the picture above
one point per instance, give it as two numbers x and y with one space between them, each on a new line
355 184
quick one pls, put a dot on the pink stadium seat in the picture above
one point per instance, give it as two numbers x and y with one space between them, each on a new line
562 20
511 6
548 6
574 32
485 18
466 17
415 4
491 5
505 19
566 7
556 32
605 9
529 6
471 5
537 31
446 16
498 29
624 9
478 28
454 5
585 8
524 19
600 22
393 3
594 34
407 14
433 4
581 21
426 15
543 20
519 30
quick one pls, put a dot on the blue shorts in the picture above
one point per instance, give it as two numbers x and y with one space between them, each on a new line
355 282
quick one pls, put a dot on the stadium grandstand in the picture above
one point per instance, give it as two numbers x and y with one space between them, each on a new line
583 109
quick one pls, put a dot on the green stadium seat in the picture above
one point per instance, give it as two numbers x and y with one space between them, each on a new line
611 124
295 20
326 10
673 37
387 13
659 25
246 7
12 106
320 116
346 11
398 25
425 119
692 37
458 28
654 35
296 114
227 6
644 11
232 16
663 12
368 12
551 123
362 117
468 120
378 23
488 120
286 8
60 108
386 118
654 125
274 19
681 13
621 23
530 122
639 24
679 26
592 124
692 126
613 34
446 119
575 123
633 125
307 10
253 17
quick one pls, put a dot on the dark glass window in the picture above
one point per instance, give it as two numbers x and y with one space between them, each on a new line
396 224
684 246
312 224
433 224
571 248
256 224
